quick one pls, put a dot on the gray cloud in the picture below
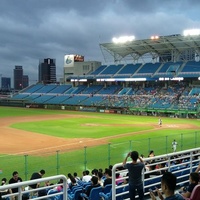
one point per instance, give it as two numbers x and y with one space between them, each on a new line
32 30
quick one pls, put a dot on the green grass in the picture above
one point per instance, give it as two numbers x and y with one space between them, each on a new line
70 128
94 157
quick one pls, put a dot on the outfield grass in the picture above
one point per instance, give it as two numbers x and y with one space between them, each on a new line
100 156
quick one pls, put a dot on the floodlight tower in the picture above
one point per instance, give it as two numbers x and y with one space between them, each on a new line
122 40
191 32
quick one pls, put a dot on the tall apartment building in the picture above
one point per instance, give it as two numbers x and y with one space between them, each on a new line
18 78
47 71
25 81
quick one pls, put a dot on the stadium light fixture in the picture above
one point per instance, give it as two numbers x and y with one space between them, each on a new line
78 80
177 79
172 79
121 79
154 37
191 32
123 39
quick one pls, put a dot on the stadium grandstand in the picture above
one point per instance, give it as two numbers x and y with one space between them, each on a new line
156 76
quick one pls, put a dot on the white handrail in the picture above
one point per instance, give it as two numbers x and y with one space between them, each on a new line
30 182
166 158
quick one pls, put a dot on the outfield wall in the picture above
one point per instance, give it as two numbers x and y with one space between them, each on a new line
181 113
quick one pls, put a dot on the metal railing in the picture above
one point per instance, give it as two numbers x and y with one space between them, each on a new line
190 160
108 154
23 184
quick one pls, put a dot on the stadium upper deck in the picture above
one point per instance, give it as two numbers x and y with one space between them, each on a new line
174 56
167 48
144 72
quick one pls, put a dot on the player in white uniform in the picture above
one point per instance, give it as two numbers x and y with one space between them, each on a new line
174 145
160 122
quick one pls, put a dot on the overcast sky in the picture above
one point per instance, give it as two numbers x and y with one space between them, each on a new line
31 30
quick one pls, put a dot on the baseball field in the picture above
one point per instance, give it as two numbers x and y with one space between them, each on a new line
63 142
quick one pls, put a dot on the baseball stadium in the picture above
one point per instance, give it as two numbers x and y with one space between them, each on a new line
145 96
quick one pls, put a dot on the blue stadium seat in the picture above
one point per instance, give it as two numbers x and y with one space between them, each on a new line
75 195
94 193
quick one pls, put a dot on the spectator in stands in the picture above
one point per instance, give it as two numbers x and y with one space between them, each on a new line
83 174
72 183
95 183
69 175
100 178
76 176
151 167
193 181
168 185
118 179
5 192
125 181
100 170
94 172
108 179
198 170
110 167
60 187
37 175
15 179
161 167
135 174
87 177
151 154
174 145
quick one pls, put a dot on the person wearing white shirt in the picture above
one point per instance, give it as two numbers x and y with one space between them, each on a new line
87 177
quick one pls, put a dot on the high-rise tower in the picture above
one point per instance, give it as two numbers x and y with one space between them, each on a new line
47 71
18 77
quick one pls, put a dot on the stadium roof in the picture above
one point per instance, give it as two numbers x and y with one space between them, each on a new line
172 44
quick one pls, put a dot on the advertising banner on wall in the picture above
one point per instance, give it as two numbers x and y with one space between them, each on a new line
78 58
69 61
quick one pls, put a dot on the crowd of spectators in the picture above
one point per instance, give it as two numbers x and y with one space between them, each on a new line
153 167
156 97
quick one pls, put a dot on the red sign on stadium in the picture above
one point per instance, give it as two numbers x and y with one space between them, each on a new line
78 58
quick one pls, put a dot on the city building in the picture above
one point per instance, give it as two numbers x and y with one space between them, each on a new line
47 71
25 81
5 83
75 65
18 78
